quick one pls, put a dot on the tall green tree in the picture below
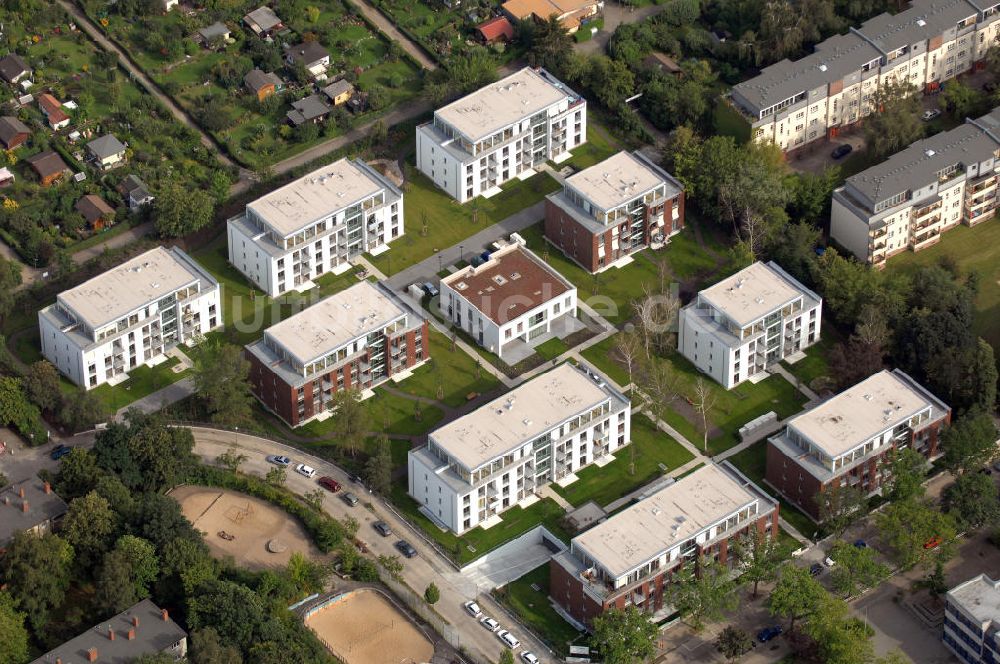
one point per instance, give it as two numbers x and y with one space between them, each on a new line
207 648
78 473
623 636
857 568
895 121
179 210
378 468
37 572
972 499
758 556
907 471
796 595
840 506
733 643
839 637
351 420
221 378
41 380
13 634
969 443
126 574
960 99
145 454
90 526
705 594
549 45
910 525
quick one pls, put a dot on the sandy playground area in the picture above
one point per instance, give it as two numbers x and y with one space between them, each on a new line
262 534
363 627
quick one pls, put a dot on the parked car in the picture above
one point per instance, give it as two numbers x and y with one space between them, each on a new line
473 609
929 115
815 569
768 633
489 623
842 151
933 542
509 639
529 657
430 289
329 484
406 549
860 544
383 528
357 479
59 451
350 499
829 562
308 471
278 460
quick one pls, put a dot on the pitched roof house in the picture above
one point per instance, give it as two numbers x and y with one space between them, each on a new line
263 22
48 165
13 68
497 29
263 84
209 35
96 211
135 192
339 92
309 109
13 132
53 110
29 505
106 151
310 55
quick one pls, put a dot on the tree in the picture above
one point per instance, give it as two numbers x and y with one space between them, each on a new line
856 569
378 468
276 477
159 519
13 634
627 347
186 563
41 380
969 443
221 378
549 44
796 595
733 642
895 120
10 279
78 473
314 499
207 648
233 610
36 571
432 594
703 594
391 564
910 525
623 636
841 505
959 99
89 526
351 420
16 410
126 574
145 454
179 209
758 556
506 657
82 410
839 637
306 575
973 501
703 401
907 470
231 459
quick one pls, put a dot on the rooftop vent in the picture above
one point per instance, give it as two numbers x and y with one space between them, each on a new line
499 280
868 397
515 276
929 152
822 67
921 22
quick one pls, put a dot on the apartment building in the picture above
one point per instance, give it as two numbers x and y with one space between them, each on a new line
910 199
972 620
630 558
734 330
496 457
143 629
315 225
30 505
845 440
932 41
355 339
501 132
512 302
132 314
612 209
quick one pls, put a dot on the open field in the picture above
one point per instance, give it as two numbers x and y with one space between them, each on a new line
254 523
362 627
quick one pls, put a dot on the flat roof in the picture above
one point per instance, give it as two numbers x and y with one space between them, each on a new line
321 328
668 518
42 506
615 181
980 597
511 283
751 293
139 281
497 105
320 193
527 411
858 413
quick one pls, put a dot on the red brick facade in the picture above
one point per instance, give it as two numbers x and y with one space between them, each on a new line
581 245
281 398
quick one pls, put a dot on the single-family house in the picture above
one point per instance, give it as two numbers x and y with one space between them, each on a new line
262 84
170 4
308 109
135 192
13 68
6 177
49 166
310 55
13 132
339 92
571 13
214 34
96 211
263 22
106 152
54 113
495 30
662 62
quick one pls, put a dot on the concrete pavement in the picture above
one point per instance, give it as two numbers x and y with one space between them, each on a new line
160 399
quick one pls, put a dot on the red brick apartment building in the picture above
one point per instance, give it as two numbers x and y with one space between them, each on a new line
354 339
630 558
845 440
612 209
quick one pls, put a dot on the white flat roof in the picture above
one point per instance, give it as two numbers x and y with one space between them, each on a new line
980 596
668 518
751 293
321 328
617 180
525 412
858 413
493 107
133 284
318 194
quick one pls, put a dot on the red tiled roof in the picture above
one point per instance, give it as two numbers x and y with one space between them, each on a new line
497 28
52 108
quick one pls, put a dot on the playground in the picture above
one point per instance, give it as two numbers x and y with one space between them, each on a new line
363 627
255 533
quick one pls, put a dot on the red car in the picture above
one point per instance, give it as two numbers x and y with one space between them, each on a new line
329 484
932 543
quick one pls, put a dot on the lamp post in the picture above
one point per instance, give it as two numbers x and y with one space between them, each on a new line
236 431
461 251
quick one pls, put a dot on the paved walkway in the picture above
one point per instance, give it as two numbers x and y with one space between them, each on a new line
799 385
393 33
161 398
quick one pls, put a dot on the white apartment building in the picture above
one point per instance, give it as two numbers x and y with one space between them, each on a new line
315 225
512 300
794 103
496 457
972 620
502 131
910 199
737 328
100 330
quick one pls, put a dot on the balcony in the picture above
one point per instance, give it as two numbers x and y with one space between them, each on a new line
927 223
921 241
989 183
926 211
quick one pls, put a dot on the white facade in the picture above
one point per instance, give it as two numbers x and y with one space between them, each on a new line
315 225
500 132
130 315
498 456
746 322
972 620
524 297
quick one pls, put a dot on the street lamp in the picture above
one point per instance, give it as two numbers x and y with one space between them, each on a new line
461 250
236 430
439 264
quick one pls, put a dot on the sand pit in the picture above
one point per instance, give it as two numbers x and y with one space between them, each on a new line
363 627
250 522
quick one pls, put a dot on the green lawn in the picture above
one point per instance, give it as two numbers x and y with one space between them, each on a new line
599 146
599 355
753 462
453 371
650 449
815 364
729 122
552 348
535 610
142 381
